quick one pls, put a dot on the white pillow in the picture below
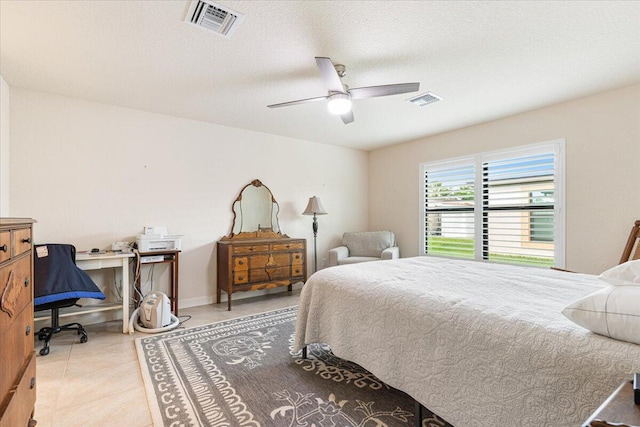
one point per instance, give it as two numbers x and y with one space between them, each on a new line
613 312
624 274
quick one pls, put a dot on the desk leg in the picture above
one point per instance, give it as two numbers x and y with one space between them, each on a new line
125 295
174 284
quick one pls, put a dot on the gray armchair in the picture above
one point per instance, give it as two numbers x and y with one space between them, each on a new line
364 246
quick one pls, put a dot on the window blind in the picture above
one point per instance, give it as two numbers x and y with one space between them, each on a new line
518 202
499 206
449 210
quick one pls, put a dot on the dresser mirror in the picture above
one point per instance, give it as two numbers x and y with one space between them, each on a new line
255 213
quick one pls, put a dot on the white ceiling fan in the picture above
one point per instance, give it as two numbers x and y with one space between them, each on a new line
340 96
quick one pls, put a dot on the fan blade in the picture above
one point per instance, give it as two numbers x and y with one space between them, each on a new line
329 75
299 101
347 117
384 90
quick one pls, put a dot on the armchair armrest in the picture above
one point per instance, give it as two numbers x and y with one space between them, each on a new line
391 253
337 254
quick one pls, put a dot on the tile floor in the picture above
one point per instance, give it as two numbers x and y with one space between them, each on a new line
98 383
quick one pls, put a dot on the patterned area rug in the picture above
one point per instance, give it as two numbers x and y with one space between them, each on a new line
243 372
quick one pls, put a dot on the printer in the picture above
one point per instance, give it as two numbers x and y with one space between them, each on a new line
156 238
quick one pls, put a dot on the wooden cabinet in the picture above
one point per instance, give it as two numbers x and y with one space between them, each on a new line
253 264
618 410
17 356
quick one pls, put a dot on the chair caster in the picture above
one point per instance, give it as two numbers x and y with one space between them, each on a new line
44 351
84 339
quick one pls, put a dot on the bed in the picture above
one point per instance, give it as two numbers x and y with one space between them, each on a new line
479 344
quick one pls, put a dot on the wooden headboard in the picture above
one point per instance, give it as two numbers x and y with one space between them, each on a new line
632 248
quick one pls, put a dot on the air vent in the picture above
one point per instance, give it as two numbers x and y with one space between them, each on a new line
214 17
424 99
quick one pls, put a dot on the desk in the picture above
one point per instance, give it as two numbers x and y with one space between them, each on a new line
172 257
85 261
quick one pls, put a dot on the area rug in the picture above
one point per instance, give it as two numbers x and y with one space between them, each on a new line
244 372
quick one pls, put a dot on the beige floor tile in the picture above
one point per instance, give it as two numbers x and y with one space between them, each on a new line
121 409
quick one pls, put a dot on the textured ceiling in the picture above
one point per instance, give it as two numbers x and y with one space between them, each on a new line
486 59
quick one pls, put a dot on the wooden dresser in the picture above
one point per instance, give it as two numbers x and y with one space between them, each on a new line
17 356
253 264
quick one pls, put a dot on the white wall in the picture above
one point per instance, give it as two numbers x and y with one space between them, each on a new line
4 147
91 174
602 135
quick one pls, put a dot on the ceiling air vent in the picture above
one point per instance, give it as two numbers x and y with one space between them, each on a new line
214 17
424 99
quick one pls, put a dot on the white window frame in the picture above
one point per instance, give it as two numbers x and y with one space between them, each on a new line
558 148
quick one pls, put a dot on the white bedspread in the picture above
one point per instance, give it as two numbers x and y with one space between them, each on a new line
478 344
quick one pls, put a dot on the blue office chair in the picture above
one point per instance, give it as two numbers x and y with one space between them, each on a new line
59 283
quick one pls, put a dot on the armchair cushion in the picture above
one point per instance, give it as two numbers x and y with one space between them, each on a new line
368 243
364 246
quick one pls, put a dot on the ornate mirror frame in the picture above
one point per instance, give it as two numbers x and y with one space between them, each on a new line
255 214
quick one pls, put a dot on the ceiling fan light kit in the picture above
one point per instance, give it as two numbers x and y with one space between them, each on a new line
339 103
340 96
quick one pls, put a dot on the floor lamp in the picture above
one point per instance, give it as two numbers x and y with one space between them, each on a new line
315 208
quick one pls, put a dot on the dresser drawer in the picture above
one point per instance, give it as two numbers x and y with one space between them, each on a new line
247 249
22 397
267 275
15 290
17 345
21 241
297 258
5 245
297 271
287 246
261 262
240 277
241 263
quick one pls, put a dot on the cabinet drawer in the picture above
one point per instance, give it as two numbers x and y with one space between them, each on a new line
5 245
242 249
267 275
22 397
269 261
240 264
297 258
15 290
287 246
17 345
297 271
240 277
22 241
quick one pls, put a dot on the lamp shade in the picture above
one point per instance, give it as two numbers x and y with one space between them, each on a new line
314 207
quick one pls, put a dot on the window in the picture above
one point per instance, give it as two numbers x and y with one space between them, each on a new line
502 206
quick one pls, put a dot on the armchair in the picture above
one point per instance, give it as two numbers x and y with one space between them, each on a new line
364 246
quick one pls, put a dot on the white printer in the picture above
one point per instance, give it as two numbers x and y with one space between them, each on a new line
156 238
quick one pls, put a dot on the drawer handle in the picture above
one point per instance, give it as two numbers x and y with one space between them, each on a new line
28 332
32 383
27 240
297 256
240 262
26 282
297 271
240 277
4 248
